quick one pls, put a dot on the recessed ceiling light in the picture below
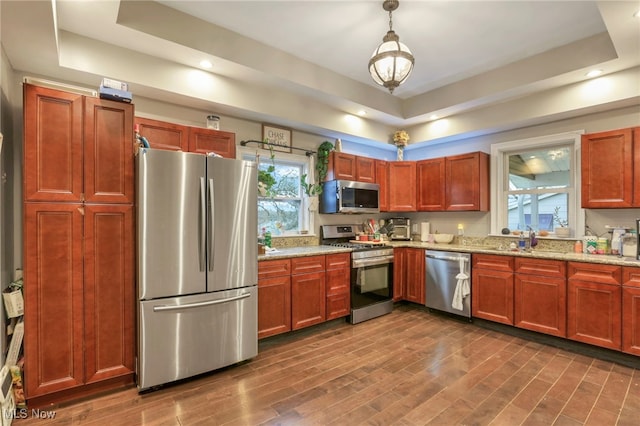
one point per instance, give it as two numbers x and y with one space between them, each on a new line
593 73
362 113
205 64
637 14
433 117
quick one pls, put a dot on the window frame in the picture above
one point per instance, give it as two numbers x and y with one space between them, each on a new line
306 217
500 175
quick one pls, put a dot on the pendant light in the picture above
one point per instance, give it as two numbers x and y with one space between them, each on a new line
392 62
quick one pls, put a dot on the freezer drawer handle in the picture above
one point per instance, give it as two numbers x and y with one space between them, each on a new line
164 308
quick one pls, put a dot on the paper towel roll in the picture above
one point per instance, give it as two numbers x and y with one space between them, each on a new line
424 231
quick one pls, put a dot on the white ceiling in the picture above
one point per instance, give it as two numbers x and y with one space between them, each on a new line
313 54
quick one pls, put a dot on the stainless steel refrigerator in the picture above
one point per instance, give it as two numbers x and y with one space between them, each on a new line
197 264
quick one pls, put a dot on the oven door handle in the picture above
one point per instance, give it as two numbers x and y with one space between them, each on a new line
373 261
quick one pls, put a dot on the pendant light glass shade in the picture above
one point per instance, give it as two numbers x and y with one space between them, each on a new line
392 62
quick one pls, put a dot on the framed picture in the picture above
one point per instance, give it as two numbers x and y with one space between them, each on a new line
280 137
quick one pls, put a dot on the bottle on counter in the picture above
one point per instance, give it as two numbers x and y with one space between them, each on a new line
577 247
522 242
267 239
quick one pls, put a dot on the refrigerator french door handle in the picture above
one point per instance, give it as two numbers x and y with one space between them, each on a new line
203 224
212 227
164 308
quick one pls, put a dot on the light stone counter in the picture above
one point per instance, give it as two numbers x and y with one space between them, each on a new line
543 253
289 252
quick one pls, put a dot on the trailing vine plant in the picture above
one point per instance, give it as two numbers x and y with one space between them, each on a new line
322 167
266 178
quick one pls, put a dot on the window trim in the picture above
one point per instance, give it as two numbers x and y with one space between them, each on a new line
308 217
499 175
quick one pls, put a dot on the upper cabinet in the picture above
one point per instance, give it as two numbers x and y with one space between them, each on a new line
176 137
402 186
207 140
467 182
343 166
162 135
81 148
430 184
609 179
455 183
382 179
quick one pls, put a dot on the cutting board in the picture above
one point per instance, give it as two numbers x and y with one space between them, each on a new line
374 243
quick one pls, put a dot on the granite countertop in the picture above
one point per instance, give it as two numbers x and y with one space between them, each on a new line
288 252
283 253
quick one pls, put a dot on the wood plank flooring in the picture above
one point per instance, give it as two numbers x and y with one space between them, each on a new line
410 367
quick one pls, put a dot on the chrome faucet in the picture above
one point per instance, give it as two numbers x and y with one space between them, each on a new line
533 241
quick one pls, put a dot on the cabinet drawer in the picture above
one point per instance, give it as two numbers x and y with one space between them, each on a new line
494 262
543 267
338 261
595 273
631 276
273 268
307 264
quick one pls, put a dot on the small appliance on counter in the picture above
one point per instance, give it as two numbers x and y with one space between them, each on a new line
401 228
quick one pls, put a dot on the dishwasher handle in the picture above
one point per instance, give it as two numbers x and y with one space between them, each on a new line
449 258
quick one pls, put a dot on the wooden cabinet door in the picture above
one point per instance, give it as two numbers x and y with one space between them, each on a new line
541 295
541 304
54 307
430 185
341 166
109 291
274 305
607 169
274 297
204 141
415 276
631 310
163 135
382 179
594 313
402 186
53 146
338 285
467 182
365 169
399 273
108 156
492 288
308 300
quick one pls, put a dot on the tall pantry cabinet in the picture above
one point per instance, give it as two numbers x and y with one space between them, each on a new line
78 244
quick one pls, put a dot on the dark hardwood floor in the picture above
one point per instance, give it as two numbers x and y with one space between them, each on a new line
410 367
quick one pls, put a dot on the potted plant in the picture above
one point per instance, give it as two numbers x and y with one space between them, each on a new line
562 230
313 189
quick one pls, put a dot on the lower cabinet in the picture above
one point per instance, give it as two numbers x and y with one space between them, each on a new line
302 291
308 295
594 299
540 302
492 288
409 275
631 310
79 299
338 284
274 297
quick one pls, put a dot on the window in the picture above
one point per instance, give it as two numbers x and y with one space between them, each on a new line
536 184
281 202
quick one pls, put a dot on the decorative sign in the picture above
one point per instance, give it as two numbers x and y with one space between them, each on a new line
279 137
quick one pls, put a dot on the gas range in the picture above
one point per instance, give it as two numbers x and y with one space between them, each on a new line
344 236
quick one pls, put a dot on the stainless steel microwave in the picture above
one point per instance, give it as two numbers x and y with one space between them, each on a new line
345 196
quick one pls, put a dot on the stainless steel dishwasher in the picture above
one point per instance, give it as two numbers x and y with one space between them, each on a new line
448 281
